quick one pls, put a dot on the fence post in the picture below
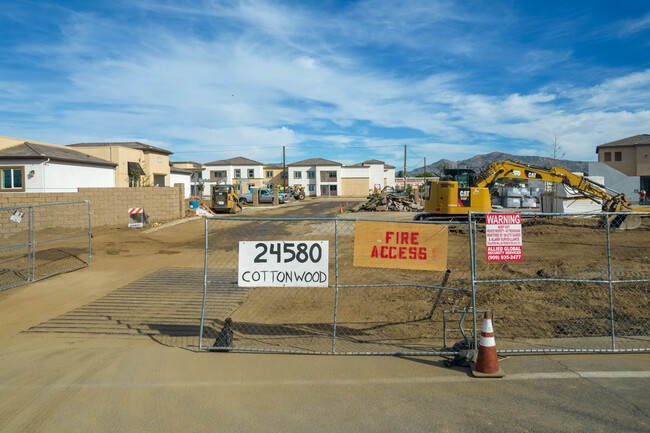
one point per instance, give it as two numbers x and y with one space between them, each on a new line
205 285
90 235
472 253
609 282
30 243
336 267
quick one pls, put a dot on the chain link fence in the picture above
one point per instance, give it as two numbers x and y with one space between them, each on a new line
582 284
40 241
362 311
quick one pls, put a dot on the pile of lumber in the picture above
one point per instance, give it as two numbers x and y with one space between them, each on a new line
388 202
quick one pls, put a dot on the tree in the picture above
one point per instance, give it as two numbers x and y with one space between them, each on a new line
400 173
427 174
557 152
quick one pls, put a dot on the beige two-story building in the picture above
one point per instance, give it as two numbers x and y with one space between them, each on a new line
138 164
630 156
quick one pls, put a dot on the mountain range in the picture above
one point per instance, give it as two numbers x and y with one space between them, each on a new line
479 161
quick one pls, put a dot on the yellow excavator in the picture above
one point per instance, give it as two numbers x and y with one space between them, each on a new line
470 192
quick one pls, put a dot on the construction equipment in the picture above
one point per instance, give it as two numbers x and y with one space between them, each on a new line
377 189
462 191
225 199
299 192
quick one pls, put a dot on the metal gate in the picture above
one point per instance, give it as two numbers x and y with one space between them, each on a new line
362 311
582 285
39 241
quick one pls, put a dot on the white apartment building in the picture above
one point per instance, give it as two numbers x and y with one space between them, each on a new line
320 177
241 172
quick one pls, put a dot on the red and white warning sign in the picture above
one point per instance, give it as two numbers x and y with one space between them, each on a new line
136 217
503 237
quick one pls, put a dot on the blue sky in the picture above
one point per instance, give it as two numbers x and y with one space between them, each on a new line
342 80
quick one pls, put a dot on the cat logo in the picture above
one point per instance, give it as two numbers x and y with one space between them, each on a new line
533 175
463 194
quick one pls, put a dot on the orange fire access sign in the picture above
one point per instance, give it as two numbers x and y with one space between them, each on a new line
400 245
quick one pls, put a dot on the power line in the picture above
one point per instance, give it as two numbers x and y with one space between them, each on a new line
296 146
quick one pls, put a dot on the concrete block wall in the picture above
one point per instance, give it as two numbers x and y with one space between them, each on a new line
109 206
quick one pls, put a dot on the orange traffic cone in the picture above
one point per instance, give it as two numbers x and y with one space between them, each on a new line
341 207
487 364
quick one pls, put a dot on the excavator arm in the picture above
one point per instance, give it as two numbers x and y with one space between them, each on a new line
610 201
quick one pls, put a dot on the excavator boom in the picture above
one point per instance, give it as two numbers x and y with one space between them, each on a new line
446 198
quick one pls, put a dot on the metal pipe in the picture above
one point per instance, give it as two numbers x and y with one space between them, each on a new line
336 295
609 277
205 285
90 235
472 254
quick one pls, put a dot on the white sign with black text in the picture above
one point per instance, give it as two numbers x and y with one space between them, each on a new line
283 263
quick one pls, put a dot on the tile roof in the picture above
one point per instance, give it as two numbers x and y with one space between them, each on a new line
29 150
194 164
312 162
629 141
176 170
130 144
238 160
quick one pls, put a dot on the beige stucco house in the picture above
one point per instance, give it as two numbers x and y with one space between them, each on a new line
138 164
630 156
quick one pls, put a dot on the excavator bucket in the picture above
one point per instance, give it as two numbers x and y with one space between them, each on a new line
625 222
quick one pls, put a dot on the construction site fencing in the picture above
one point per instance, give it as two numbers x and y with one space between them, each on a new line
39 241
361 311
581 286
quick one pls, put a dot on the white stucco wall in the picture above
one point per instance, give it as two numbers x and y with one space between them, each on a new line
389 176
56 176
185 179
614 179
376 175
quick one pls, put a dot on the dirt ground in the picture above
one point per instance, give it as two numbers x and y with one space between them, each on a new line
104 300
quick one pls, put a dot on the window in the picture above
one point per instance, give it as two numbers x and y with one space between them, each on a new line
218 174
297 174
135 172
311 175
237 173
312 188
159 180
269 174
283 175
251 173
608 156
618 156
332 174
13 178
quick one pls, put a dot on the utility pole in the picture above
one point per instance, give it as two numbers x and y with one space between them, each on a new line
425 170
405 168
284 170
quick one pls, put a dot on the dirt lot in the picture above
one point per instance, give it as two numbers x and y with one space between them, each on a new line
149 284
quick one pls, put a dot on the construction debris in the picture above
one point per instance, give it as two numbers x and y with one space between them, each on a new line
388 202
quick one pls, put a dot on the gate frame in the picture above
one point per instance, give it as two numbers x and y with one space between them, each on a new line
32 243
609 281
336 286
